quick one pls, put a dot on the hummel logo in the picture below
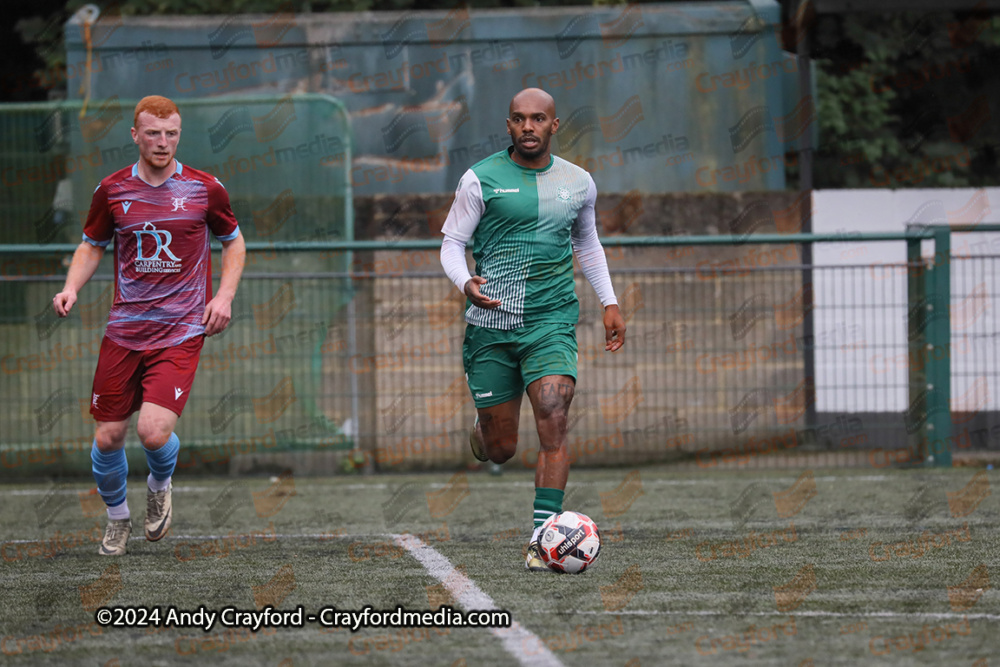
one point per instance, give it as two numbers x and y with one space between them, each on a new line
179 203
486 395
126 205
94 400
500 191
177 392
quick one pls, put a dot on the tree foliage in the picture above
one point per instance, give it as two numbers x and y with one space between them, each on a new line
907 100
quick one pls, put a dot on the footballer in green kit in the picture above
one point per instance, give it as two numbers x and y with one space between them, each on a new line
526 212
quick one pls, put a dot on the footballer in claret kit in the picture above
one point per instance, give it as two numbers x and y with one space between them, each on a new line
161 215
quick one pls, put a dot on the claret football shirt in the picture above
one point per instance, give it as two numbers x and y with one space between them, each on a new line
163 267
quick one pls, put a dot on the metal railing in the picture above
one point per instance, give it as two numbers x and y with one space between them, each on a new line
362 367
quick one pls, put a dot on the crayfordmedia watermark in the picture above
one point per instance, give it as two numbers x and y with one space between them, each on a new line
742 548
743 641
881 645
50 547
48 641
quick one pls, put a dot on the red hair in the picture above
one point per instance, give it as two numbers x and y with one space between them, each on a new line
157 105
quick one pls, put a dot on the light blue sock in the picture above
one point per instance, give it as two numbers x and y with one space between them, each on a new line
162 461
111 472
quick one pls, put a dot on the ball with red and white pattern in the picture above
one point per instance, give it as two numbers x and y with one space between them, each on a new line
569 542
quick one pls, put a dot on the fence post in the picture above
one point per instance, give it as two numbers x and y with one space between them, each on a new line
918 314
938 350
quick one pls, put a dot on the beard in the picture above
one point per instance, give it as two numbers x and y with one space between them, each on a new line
531 153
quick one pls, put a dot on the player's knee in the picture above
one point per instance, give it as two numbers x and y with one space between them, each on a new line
501 448
554 422
109 444
554 410
153 435
505 441
501 455
109 438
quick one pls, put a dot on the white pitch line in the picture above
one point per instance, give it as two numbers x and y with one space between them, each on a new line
177 489
515 639
73 492
486 485
708 479
41 492
817 614
323 537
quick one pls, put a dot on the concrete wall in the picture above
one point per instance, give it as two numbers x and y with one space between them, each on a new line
678 97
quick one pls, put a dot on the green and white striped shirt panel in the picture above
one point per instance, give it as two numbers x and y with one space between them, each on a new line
565 193
522 238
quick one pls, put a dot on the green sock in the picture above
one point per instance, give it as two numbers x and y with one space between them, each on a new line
547 503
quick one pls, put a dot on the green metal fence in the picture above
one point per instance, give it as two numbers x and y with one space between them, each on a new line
713 373
285 162
952 329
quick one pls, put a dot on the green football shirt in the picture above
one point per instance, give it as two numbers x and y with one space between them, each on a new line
521 222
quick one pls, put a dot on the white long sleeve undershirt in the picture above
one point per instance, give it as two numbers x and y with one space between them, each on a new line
453 261
594 264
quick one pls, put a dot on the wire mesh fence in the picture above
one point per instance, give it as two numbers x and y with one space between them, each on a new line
731 361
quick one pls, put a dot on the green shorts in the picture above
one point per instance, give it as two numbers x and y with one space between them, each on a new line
499 365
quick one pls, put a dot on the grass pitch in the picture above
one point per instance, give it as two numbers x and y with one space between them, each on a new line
761 567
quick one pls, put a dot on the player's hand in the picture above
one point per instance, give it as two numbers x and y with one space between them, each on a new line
614 328
476 297
63 302
218 312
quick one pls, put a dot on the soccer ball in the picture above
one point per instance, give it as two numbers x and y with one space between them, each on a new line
569 542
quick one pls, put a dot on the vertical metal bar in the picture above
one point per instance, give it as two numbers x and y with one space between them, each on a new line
801 33
938 350
918 314
808 326
352 318
352 351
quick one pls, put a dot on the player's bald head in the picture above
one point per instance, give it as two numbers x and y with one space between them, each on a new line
536 99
